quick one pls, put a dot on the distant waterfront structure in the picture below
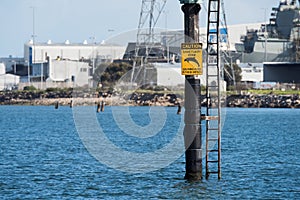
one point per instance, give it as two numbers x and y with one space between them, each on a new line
276 40
252 72
229 36
170 51
9 63
166 74
43 59
71 51
7 81
282 72
68 63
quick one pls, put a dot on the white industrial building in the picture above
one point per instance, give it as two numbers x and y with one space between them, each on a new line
7 81
68 71
252 72
38 52
169 74
65 63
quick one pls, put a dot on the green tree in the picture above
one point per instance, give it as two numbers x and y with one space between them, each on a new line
109 74
29 88
228 77
100 69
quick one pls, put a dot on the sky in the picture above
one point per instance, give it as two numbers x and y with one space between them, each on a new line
79 20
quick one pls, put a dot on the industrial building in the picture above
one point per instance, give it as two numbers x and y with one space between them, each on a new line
164 74
72 64
38 52
252 72
8 81
282 72
60 64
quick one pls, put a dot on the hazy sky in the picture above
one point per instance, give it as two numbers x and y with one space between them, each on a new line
79 20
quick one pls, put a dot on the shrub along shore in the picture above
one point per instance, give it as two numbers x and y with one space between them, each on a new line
69 97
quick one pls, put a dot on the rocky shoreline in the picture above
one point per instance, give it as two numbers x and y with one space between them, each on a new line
68 98
263 101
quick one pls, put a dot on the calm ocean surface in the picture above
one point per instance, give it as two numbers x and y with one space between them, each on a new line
42 157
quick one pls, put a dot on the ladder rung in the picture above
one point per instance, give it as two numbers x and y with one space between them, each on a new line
209 118
213 64
212 43
213 150
213 172
213 129
212 75
212 87
213 139
211 34
212 161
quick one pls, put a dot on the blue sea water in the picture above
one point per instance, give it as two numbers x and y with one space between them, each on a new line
43 157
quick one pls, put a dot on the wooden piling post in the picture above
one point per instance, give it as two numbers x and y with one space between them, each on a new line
102 106
179 109
56 105
98 107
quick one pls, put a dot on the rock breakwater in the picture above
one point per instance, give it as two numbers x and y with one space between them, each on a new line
156 99
141 99
263 101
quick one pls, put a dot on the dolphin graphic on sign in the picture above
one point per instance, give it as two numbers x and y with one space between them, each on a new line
192 59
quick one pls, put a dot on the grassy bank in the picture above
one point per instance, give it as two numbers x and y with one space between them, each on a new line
265 92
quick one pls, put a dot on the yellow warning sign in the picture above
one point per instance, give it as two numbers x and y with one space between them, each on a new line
191 59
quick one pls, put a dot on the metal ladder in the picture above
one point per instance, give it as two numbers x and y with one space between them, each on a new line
213 93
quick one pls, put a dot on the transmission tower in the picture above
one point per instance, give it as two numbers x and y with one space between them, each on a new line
146 37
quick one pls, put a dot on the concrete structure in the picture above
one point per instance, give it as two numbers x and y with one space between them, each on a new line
252 72
2 68
10 62
169 75
38 52
63 73
7 81
69 71
67 62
